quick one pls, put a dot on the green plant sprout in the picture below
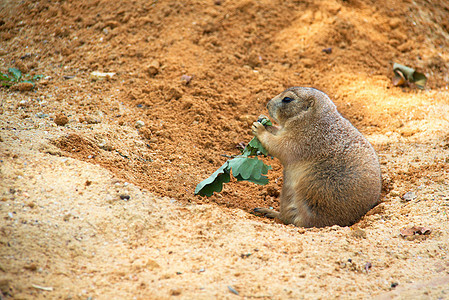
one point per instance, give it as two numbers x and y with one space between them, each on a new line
14 76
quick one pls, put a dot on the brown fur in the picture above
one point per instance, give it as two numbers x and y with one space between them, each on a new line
331 172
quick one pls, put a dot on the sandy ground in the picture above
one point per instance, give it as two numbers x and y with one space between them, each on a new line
102 207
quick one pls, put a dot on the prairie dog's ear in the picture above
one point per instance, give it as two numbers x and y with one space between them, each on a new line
310 102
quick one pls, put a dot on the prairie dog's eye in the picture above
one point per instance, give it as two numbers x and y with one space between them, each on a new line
287 99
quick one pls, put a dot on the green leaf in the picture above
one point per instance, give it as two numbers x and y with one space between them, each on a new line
407 71
38 77
16 73
410 74
7 84
249 169
254 147
263 180
4 77
215 182
266 122
420 80
5 80
244 166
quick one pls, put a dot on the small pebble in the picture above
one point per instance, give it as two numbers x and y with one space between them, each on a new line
125 197
100 75
409 196
368 266
27 55
31 267
186 79
139 124
153 68
22 86
41 115
394 193
89 120
61 119
358 233
24 103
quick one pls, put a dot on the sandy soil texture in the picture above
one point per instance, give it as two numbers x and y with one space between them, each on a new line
97 175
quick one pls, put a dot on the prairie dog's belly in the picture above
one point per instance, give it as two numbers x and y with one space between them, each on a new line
297 174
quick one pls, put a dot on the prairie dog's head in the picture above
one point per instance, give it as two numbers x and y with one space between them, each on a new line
298 102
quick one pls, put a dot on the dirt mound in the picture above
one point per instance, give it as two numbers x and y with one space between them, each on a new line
188 79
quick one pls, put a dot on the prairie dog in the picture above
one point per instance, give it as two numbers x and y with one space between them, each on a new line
331 172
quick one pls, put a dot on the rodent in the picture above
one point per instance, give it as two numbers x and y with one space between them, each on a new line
331 172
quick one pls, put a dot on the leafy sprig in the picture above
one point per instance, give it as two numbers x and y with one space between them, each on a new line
244 167
404 75
15 76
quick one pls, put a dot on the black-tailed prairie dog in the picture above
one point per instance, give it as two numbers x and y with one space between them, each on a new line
331 172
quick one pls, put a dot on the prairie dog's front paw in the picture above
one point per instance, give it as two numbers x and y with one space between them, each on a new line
257 128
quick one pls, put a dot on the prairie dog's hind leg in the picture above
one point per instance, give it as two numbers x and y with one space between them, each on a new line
266 212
